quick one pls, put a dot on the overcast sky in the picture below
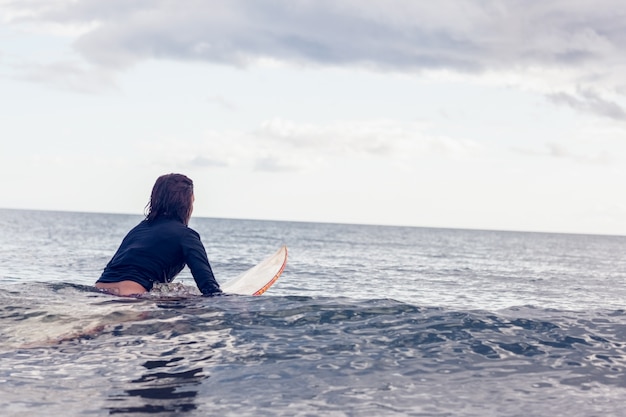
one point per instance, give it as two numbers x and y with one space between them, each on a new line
472 114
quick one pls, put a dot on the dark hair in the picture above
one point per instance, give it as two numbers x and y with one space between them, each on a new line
172 197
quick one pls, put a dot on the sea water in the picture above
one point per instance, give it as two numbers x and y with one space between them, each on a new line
364 321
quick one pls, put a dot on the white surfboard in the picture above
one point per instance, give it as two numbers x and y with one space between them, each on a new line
256 280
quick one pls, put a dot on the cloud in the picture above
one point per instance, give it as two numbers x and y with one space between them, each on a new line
271 164
222 103
345 138
280 145
560 151
591 102
562 48
463 35
373 138
66 75
204 162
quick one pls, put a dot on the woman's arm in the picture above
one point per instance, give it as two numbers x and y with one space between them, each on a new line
198 262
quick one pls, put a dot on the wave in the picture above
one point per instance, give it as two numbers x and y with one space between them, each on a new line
297 354
578 339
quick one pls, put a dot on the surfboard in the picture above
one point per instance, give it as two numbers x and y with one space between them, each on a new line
256 280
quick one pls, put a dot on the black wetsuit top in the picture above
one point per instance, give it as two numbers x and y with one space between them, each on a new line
157 251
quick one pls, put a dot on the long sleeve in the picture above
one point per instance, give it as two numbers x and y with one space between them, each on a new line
198 262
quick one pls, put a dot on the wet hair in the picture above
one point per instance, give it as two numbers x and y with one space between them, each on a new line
172 198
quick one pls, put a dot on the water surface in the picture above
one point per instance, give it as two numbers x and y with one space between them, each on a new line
365 320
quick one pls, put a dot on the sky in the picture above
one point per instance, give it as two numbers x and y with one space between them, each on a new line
505 115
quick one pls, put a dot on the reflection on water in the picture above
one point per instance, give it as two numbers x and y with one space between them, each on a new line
160 392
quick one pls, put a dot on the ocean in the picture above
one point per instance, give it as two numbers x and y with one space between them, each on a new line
364 321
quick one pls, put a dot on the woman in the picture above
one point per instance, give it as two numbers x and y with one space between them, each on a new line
159 247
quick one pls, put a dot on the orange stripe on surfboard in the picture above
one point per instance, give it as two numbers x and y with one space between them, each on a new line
275 277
